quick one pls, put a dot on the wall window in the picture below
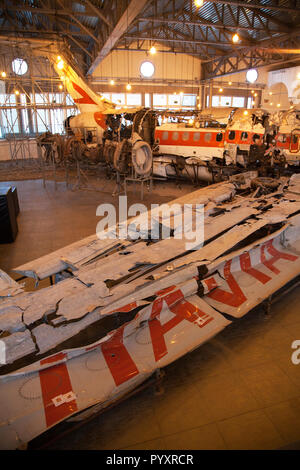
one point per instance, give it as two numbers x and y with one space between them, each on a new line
215 101
147 69
118 98
225 101
19 66
174 100
238 101
189 100
159 100
134 99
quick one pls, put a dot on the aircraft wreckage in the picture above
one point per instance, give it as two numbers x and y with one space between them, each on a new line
124 309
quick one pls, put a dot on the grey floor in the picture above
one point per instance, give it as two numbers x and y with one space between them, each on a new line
239 391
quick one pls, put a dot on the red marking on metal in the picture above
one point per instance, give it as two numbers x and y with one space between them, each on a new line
182 309
55 358
246 266
55 380
165 290
235 298
276 255
100 119
118 359
85 98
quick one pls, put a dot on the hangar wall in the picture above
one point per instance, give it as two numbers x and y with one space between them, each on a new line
168 66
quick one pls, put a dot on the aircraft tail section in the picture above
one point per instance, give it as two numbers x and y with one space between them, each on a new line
84 97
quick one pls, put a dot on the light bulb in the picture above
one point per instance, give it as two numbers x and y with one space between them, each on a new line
60 65
60 87
229 83
245 113
191 121
220 90
235 38
128 86
152 50
3 74
112 82
199 3
17 92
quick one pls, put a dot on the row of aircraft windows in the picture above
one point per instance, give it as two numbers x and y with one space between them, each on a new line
207 136
196 136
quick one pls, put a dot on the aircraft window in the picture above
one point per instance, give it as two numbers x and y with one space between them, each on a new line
255 137
244 136
165 135
207 137
231 135
185 136
175 136
219 137
282 138
196 136
295 139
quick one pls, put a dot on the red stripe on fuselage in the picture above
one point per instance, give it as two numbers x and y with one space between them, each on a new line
55 381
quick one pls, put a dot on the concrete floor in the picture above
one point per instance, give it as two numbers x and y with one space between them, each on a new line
238 391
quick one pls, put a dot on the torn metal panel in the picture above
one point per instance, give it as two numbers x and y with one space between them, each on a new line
244 281
8 287
63 385
79 253
18 345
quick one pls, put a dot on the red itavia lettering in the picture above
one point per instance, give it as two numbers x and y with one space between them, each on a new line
85 98
246 266
235 298
118 359
276 255
182 309
55 381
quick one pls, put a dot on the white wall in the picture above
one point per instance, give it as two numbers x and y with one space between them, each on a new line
168 66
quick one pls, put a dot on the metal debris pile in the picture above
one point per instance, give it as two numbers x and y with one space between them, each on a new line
123 309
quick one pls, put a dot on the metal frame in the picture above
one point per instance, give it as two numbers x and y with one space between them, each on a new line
269 31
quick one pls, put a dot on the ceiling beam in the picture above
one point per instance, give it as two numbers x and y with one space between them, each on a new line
256 5
191 41
133 9
202 22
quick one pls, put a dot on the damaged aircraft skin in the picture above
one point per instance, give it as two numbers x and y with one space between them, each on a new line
144 303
